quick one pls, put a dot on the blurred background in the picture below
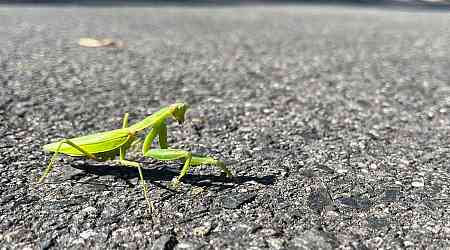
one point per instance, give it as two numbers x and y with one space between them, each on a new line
406 3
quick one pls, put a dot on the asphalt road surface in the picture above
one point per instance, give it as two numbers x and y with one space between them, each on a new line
334 121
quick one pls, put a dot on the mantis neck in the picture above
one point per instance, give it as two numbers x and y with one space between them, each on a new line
153 119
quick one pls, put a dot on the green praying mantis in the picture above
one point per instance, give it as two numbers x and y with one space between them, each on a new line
108 145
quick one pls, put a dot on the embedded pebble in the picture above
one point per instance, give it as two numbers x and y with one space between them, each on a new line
417 184
87 234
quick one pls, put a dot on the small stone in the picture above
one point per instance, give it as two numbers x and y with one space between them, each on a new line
7 198
198 190
87 234
374 134
119 232
138 235
237 200
311 239
47 244
275 243
353 202
347 202
78 241
268 232
408 243
417 184
392 194
319 200
446 231
89 211
429 157
164 242
331 214
376 222
109 211
185 245
202 230
341 171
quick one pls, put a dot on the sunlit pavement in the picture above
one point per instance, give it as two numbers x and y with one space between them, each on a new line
334 120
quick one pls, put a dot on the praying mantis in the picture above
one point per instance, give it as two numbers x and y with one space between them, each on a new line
108 145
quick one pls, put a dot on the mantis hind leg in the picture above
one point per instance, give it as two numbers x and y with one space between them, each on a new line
55 155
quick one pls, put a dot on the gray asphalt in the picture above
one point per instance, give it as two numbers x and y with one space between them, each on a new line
334 120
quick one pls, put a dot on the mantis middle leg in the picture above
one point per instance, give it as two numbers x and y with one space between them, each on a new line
137 165
122 161
123 150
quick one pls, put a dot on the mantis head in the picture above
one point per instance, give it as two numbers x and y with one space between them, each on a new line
178 111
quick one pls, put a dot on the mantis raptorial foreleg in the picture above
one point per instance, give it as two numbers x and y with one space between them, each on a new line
159 130
189 160
149 139
202 160
162 136
55 155
187 165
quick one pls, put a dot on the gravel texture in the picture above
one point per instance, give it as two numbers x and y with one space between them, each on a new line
334 120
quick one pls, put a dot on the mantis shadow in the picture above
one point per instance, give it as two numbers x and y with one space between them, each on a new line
166 174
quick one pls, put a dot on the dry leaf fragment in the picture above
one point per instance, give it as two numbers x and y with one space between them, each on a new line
98 43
